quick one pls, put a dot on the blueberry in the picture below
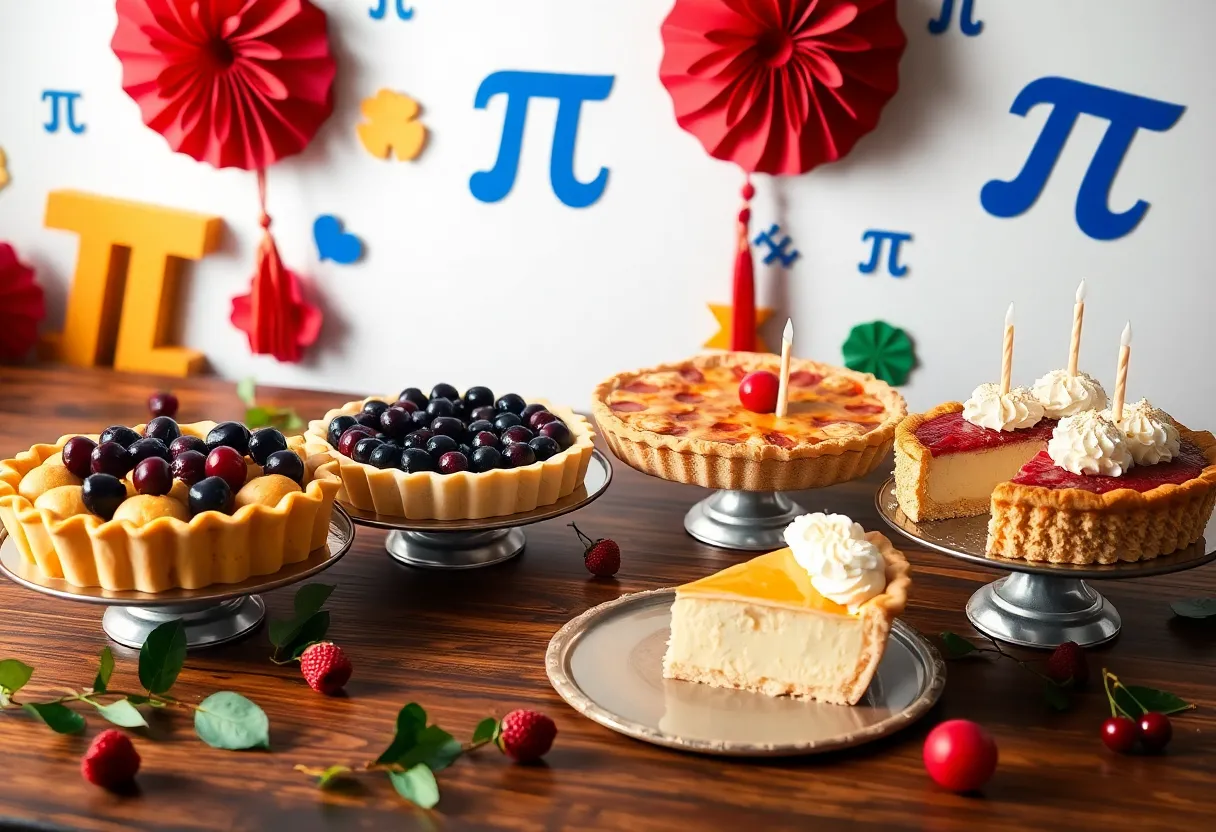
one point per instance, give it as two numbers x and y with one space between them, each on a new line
485 459
118 433
506 420
375 407
544 447
482 414
396 422
439 407
448 426
385 456
527 412
465 449
418 439
413 394
485 439
110 458
510 403
146 448
478 425
265 441
187 443
362 452
518 455
103 494
210 494
460 410
414 460
476 397
439 445
368 420
383 437
189 466
285 464
421 419
453 462
163 428
338 426
445 391
230 434
517 434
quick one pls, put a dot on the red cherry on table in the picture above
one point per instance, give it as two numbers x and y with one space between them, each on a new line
1155 731
758 391
960 755
162 404
229 465
1119 734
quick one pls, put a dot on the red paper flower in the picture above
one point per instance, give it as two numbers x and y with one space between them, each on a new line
22 306
780 86
234 83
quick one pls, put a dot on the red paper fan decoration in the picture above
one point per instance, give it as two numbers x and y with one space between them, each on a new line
780 86
234 83
22 306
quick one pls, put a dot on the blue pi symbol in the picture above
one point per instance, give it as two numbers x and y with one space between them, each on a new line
967 23
333 243
69 100
776 250
380 11
893 265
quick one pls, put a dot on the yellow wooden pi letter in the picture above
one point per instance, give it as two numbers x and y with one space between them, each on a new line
123 294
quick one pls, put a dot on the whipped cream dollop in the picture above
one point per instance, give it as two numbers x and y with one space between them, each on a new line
1063 395
1089 443
843 565
1150 434
1015 410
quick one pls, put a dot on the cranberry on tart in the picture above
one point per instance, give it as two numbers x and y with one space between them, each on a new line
453 456
163 505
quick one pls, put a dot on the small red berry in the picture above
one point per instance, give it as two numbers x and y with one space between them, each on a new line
525 735
325 667
1119 734
111 761
1155 731
960 755
229 465
602 557
162 404
1067 662
758 391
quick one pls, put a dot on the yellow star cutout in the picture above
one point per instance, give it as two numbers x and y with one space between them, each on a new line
722 313
391 128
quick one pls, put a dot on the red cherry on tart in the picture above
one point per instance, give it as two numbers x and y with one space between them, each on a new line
758 391
189 466
351 436
229 465
152 476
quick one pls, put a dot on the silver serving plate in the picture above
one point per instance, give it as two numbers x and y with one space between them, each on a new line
608 665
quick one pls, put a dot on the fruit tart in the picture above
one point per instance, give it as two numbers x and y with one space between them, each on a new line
453 456
167 505
710 421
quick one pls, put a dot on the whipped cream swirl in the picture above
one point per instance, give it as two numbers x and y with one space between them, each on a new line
1089 443
843 565
1063 395
1150 433
1015 410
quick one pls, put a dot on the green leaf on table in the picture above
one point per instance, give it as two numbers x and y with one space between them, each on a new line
105 669
58 717
328 777
14 675
435 748
956 646
410 721
230 721
486 730
416 785
1195 608
246 391
122 713
1151 699
162 656
1056 696
310 598
314 630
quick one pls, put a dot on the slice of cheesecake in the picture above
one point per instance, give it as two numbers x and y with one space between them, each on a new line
947 467
761 626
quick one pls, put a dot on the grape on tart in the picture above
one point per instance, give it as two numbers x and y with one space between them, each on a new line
448 456
167 505
709 421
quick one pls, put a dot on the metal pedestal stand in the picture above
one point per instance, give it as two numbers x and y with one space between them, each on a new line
213 615
1040 604
471 544
751 521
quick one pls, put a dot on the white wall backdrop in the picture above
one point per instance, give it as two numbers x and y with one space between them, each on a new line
529 294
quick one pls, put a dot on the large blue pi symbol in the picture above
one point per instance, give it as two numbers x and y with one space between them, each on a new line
967 23
895 239
1127 113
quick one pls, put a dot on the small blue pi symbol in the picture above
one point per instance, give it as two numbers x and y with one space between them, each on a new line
69 108
381 10
967 23
896 238
776 250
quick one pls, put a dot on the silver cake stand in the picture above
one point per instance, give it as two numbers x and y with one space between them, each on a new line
471 544
213 615
750 521
1041 604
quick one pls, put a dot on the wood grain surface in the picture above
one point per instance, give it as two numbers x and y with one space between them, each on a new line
471 644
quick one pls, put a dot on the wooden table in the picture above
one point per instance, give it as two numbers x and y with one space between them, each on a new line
468 645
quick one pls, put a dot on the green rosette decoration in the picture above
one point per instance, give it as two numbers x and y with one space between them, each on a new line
881 349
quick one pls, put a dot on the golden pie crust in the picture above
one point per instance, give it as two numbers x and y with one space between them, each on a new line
427 495
819 443
168 553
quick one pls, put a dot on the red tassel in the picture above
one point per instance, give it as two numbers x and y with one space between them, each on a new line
274 314
743 299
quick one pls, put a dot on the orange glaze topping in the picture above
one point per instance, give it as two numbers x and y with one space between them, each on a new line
775 579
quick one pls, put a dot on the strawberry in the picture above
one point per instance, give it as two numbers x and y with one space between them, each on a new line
1067 663
602 557
111 761
525 735
325 667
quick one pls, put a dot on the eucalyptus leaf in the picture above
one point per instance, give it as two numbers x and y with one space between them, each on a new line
230 721
435 748
486 730
410 721
58 717
1195 608
121 713
417 785
1056 696
1131 698
14 675
246 391
162 656
105 669
956 646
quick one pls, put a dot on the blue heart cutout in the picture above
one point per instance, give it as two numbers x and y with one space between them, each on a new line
333 243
